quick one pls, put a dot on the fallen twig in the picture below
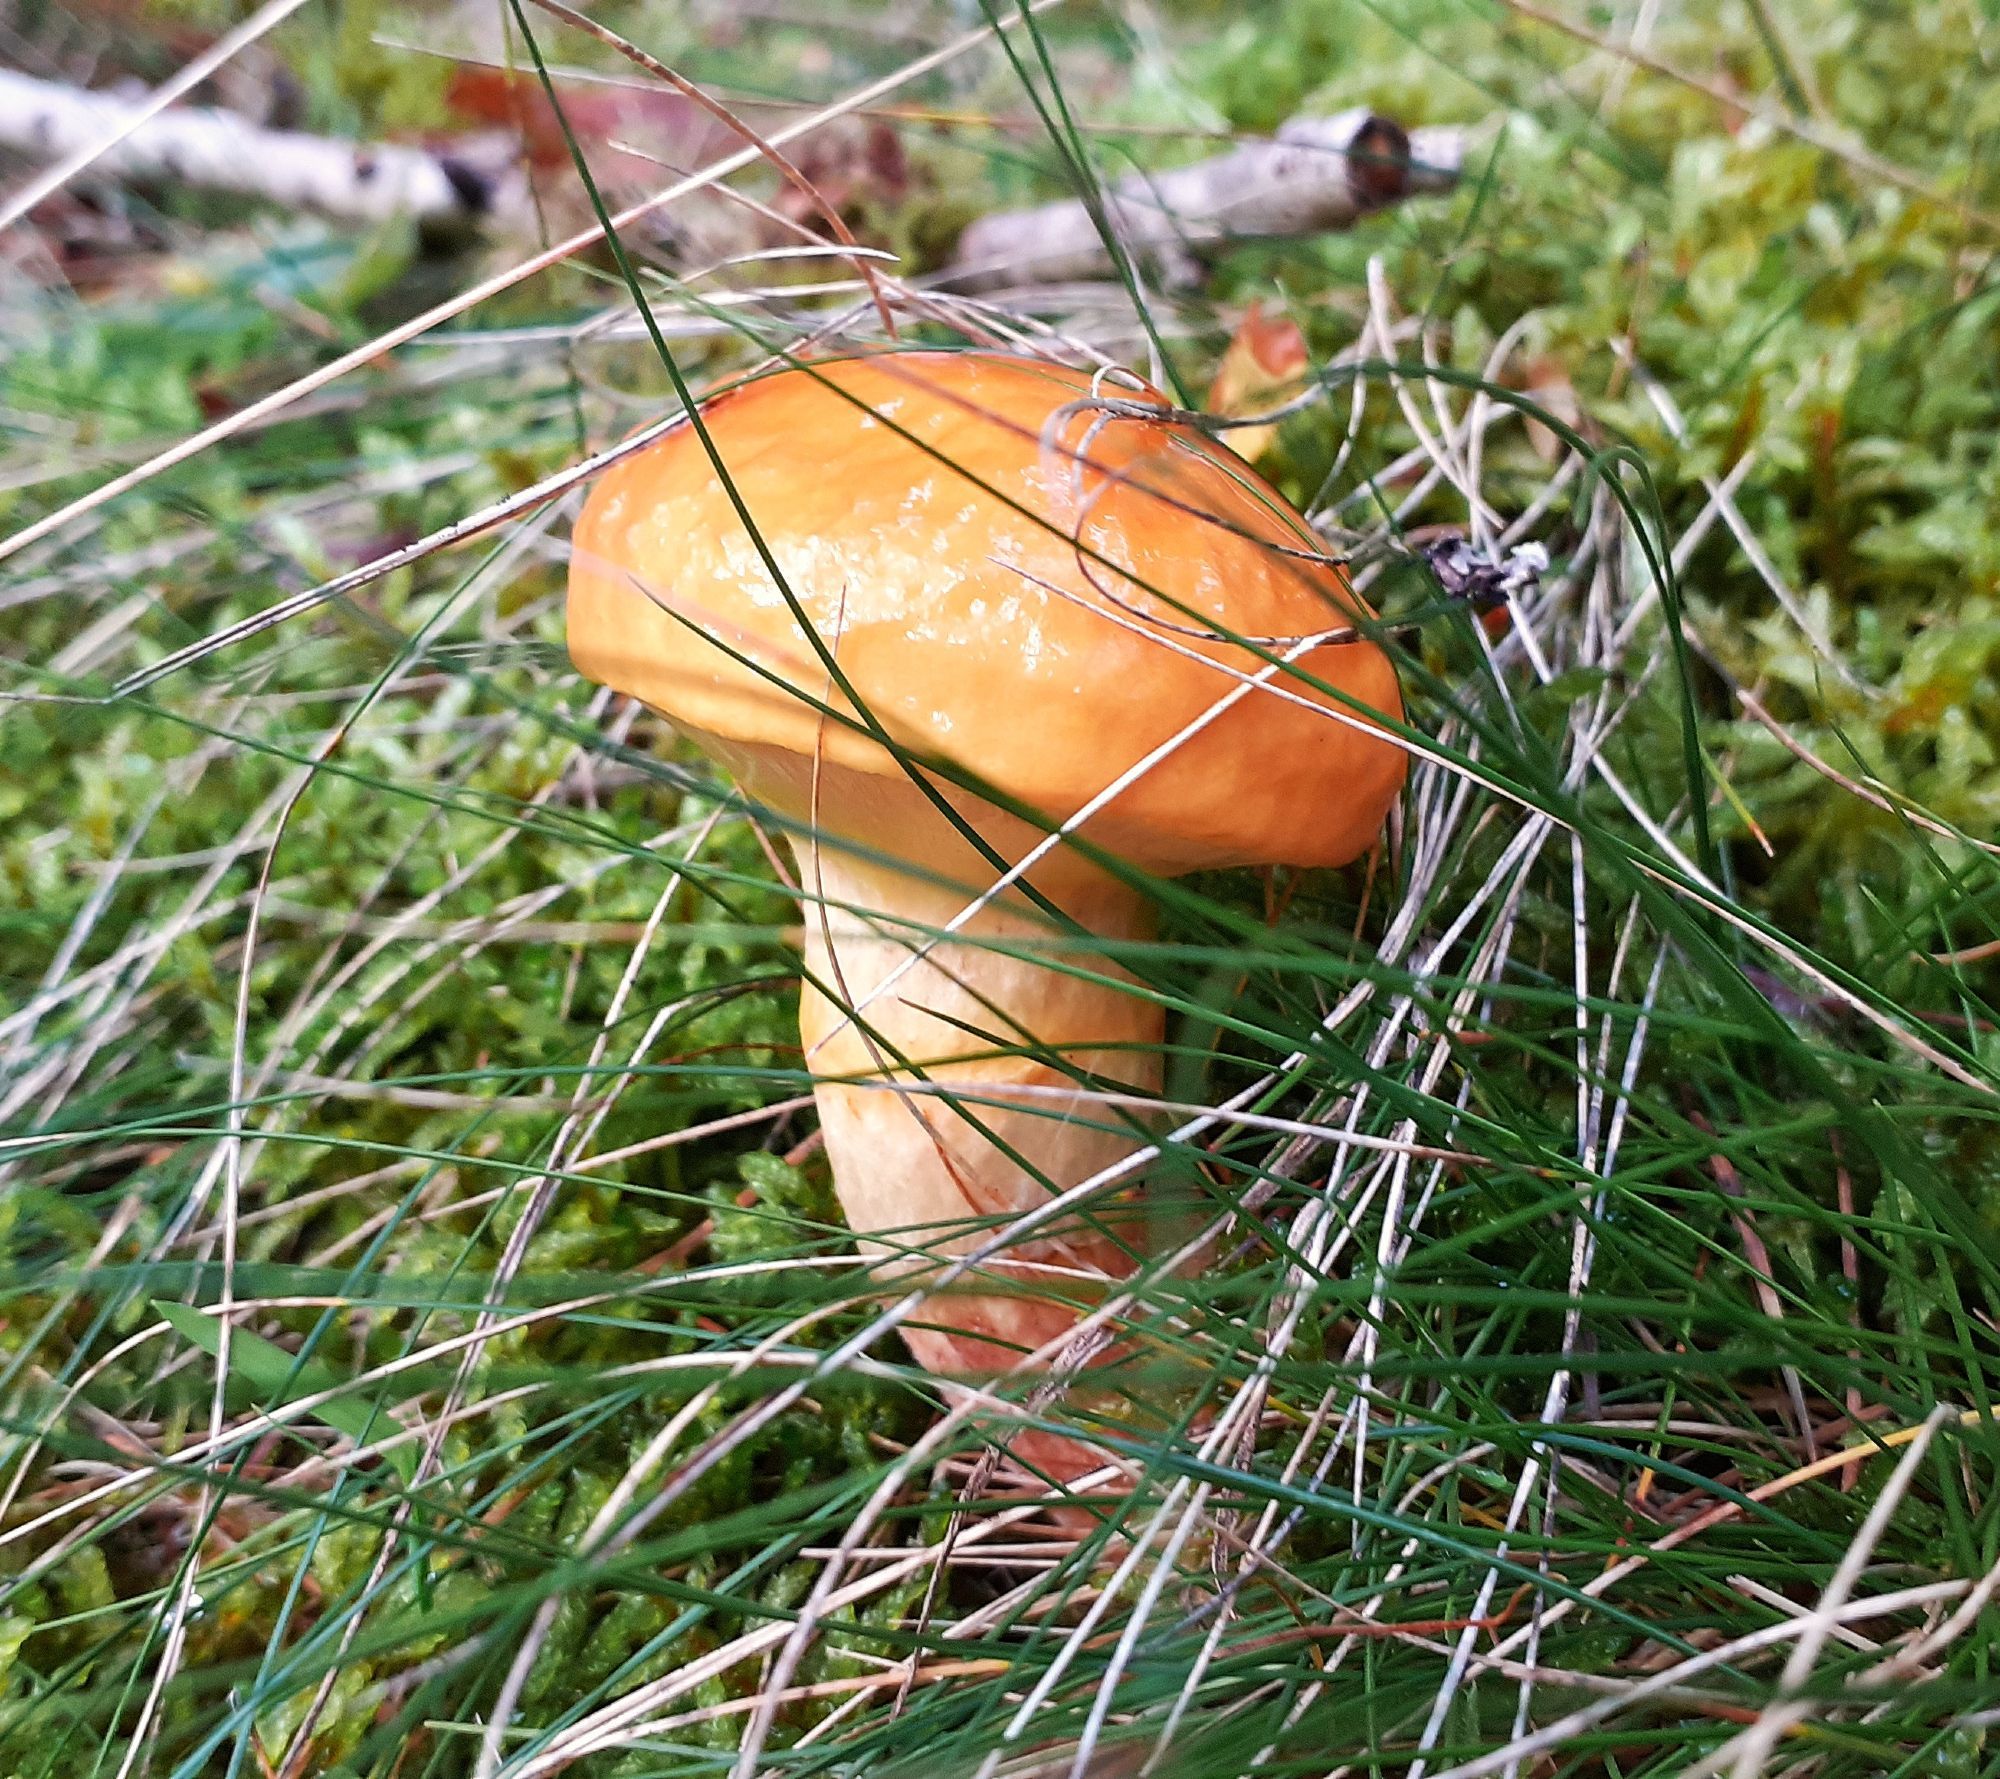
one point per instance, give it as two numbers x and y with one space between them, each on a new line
1317 173
139 111
212 150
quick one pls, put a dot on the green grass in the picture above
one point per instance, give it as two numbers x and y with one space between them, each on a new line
377 980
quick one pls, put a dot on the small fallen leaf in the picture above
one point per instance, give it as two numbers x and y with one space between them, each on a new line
1549 385
515 100
1924 709
1263 364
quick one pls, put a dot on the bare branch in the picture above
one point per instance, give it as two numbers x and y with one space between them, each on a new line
1317 173
211 150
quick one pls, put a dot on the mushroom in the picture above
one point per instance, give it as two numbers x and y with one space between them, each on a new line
1030 583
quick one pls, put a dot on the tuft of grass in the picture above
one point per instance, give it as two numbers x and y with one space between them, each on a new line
1596 1372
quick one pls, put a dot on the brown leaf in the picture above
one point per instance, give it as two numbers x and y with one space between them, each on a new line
1549 385
655 119
858 168
1264 362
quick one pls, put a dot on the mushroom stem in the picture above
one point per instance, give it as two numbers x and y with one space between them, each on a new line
952 1087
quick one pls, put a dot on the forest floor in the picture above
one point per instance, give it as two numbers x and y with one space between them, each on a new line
1594 1374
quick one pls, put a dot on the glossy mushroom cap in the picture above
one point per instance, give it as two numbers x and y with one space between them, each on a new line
1034 595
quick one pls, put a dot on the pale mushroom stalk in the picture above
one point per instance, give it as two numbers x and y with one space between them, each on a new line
975 1016
1048 625
952 1036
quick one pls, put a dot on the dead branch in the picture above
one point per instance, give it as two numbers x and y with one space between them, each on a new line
1316 174
212 150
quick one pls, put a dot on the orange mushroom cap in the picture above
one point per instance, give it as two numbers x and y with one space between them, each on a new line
1042 598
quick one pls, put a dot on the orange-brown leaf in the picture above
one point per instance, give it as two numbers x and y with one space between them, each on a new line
1264 363
511 99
